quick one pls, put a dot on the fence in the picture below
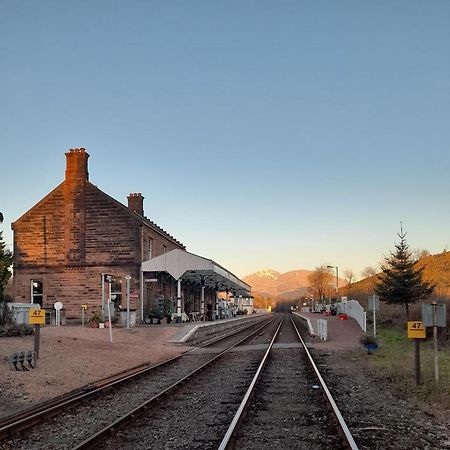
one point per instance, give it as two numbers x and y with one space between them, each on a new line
353 309
322 329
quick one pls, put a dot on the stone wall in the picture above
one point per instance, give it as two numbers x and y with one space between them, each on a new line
76 233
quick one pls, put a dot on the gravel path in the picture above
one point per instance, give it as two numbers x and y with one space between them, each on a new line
73 356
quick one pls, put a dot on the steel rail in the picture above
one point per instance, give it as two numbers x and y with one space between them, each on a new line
30 417
227 439
244 403
119 423
348 436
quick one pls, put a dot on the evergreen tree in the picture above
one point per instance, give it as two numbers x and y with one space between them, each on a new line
5 264
400 282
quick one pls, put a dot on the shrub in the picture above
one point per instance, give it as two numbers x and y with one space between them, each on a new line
13 330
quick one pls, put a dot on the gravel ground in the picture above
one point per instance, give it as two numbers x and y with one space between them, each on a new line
379 411
73 356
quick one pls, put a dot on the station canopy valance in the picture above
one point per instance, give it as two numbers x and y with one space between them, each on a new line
192 268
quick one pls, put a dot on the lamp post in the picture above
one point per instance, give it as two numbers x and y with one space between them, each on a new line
128 278
337 280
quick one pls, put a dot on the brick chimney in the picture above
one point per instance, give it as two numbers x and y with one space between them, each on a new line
136 203
77 164
75 206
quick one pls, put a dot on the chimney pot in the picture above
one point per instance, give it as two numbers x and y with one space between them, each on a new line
136 203
77 165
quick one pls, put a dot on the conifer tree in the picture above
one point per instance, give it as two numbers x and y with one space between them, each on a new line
400 282
5 264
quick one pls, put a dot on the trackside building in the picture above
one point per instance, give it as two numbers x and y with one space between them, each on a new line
76 237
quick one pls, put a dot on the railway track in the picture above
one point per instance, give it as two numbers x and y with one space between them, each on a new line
282 408
260 391
70 412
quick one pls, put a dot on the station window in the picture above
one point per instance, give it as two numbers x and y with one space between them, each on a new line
37 292
164 249
116 292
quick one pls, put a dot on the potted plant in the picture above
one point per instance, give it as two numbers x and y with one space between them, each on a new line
370 343
168 310
95 319
154 315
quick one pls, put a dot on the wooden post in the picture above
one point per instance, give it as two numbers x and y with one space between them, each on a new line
417 360
37 339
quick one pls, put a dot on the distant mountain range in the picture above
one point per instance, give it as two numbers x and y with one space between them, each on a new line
281 286
271 283
294 284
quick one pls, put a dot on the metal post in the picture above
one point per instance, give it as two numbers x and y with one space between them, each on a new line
435 344
109 317
374 319
217 306
142 295
337 284
103 295
128 278
179 300
202 304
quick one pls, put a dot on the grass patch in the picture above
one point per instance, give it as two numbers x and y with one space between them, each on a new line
395 360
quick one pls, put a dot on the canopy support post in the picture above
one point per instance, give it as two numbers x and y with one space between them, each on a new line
202 304
179 300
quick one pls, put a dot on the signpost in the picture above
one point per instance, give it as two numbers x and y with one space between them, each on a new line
109 319
58 306
84 307
416 331
374 305
434 315
37 318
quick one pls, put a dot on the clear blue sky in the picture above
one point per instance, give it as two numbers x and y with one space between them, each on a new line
280 134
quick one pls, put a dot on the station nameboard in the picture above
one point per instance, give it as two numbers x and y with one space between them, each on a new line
416 330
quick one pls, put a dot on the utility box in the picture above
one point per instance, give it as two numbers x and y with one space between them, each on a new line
21 311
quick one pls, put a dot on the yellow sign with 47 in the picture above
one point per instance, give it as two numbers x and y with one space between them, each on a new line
36 317
416 330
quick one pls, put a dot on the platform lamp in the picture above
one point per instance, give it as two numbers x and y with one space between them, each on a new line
337 280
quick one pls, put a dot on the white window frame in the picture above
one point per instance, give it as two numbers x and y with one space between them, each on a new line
32 295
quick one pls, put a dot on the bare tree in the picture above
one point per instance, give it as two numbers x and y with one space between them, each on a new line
368 272
350 278
320 280
420 253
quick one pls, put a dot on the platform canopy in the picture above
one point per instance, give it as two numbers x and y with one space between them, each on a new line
194 268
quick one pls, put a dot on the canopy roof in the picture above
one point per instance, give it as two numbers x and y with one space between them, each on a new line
182 264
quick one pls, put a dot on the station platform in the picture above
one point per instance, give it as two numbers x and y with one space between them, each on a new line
340 333
191 332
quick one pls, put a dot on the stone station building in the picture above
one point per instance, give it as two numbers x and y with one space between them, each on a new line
77 246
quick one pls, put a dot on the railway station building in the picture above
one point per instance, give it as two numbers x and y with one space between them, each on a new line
79 246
